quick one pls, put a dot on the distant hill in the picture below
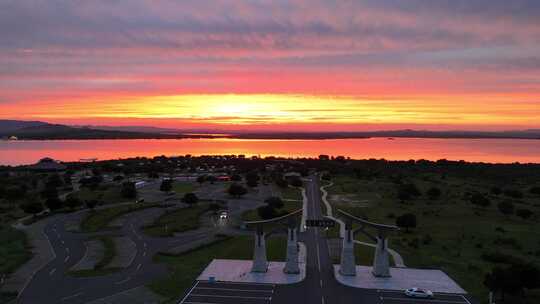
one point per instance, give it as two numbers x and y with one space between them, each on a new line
42 131
7 126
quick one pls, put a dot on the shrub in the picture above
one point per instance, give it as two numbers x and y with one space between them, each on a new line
524 213
513 193
506 207
433 193
480 200
406 221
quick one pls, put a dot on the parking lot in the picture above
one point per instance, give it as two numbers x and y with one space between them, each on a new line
204 292
399 297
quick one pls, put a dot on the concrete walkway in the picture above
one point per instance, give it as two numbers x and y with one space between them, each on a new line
398 260
239 271
401 279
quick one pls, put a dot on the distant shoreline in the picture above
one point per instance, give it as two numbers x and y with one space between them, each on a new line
242 137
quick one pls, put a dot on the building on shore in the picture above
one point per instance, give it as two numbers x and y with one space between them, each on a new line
47 164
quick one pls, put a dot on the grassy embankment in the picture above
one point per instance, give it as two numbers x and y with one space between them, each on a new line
452 234
185 268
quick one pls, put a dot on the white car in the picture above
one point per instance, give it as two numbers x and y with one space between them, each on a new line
418 293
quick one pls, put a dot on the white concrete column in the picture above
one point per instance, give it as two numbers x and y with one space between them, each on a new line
291 264
260 263
348 263
381 261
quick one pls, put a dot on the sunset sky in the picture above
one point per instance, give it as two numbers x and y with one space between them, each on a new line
273 65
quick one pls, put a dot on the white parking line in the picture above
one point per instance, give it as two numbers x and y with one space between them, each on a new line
234 289
427 301
189 292
139 267
229 297
52 271
66 259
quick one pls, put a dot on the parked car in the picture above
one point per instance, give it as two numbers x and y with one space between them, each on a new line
418 293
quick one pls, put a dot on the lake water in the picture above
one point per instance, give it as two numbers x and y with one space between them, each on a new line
484 150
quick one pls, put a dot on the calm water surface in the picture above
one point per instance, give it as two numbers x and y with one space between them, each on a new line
485 150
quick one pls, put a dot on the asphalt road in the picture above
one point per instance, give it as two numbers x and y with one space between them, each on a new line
52 285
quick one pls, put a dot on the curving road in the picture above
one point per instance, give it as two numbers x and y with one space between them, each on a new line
51 285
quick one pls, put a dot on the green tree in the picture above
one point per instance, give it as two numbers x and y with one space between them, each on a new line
54 203
166 185
91 204
433 193
506 207
407 221
236 190
296 182
190 199
524 213
479 199
33 208
275 202
72 201
128 190
266 212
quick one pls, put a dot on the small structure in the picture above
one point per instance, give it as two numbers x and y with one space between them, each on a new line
260 262
13 138
47 164
381 261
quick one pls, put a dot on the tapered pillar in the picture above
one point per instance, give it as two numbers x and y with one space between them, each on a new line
291 263
348 263
260 263
381 261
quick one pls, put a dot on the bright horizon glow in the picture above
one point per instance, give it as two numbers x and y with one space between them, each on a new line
265 65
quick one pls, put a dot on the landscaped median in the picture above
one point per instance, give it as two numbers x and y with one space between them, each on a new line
100 219
175 221
100 251
186 267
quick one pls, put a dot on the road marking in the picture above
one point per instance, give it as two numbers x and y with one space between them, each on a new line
234 289
138 267
66 259
426 300
318 254
465 299
322 300
123 281
52 271
144 253
320 282
189 292
144 245
62 241
67 250
228 297
72 296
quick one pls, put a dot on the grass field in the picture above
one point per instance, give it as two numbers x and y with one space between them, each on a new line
452 234
179 220
107 194
14 250
183 187
99 219
186 268
291 193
